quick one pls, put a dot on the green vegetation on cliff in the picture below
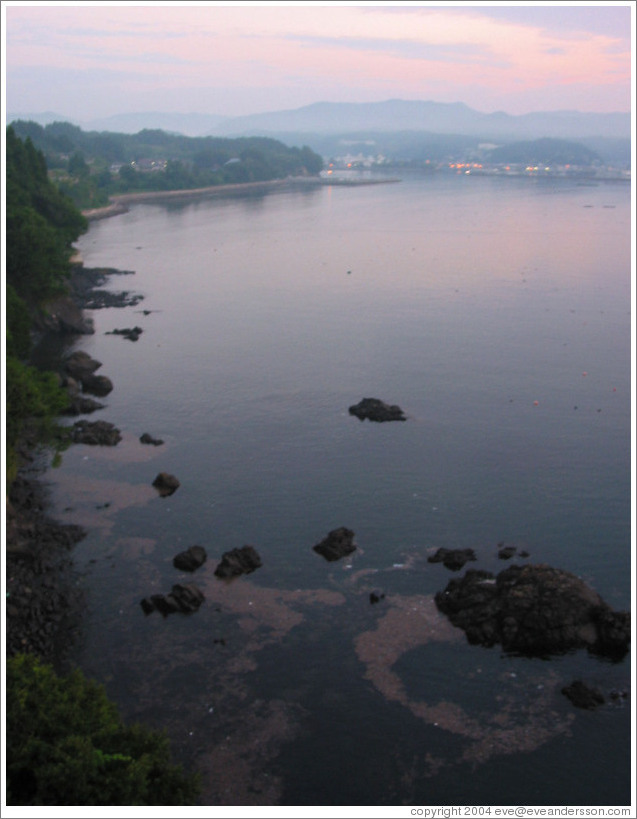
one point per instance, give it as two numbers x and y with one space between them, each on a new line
41 225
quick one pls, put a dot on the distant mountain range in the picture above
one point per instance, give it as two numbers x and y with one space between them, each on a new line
323 118
435 117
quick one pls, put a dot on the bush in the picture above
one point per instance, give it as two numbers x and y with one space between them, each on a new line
67 745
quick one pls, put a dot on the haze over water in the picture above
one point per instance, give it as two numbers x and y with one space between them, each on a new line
496 313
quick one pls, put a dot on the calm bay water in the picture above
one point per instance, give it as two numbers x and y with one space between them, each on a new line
496 313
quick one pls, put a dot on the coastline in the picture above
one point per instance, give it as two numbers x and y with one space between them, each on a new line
119 203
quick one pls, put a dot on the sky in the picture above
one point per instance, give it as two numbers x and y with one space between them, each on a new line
92 60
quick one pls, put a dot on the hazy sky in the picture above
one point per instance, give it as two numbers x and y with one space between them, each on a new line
95 59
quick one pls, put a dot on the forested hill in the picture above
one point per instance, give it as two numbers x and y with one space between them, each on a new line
90 166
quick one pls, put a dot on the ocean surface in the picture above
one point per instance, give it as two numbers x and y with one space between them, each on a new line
497 314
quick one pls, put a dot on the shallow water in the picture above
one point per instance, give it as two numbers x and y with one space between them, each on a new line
496 313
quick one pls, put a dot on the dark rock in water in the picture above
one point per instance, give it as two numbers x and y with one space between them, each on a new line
166 484
97 385
80 365
148 439
95 433
534 610
337 544
375 410
147 605
191 559
376 597
582 696
185 598
130 333
453 559
238 561
506 552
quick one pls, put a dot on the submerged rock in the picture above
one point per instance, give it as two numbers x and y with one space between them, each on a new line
95 433
191 559
238 561
148 439
376 410
130 333
166 484
337 544
506 552
583 696
534 610
453 559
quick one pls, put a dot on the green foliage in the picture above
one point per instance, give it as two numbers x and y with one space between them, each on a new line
41 224
32 397
18 325
67 745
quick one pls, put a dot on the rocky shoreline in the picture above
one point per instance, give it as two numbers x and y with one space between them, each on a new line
43 601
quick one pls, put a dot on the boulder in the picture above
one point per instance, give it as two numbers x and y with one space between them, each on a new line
148 439
185 598
453 559
166 484
97 385
337 544
376 410
191 559
238 561
506 552
79 365
583 696
534 610
95 433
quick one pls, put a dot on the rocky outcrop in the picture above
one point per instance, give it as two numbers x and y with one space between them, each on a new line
146 438
376 410
64 316
453 559
534 610
185 598
80 367
337 544
79 404
166 484
238 561
191 559
583 696
95 433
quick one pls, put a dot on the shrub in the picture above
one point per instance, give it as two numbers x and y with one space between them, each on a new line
67 745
